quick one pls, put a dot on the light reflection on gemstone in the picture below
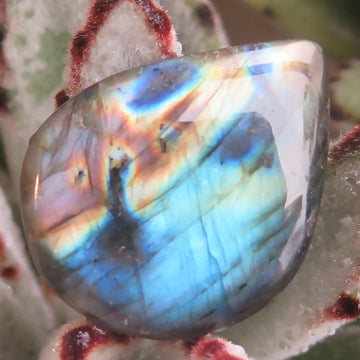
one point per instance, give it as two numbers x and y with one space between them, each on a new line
179 199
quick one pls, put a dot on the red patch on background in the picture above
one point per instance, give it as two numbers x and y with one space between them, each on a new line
82 40
156 18
347 146
61 97
212 349
159 21
80 341
7 272
10 273
346 307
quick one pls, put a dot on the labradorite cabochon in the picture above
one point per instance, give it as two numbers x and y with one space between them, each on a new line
175 199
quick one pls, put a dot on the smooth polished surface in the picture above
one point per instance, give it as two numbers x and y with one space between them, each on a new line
175 199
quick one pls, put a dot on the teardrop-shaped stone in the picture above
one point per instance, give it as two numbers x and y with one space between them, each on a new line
178 198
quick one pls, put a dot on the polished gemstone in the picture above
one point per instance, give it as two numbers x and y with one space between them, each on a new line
175 199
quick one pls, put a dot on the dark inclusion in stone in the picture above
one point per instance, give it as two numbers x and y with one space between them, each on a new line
179 198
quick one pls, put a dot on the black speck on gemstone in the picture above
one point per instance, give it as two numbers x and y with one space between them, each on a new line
242 286
208 314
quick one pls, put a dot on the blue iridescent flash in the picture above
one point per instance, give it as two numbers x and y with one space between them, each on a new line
176 199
